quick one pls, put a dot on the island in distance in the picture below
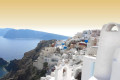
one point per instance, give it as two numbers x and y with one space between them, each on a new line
32 34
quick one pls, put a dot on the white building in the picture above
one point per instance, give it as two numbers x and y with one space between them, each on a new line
86 34
106 66
88 67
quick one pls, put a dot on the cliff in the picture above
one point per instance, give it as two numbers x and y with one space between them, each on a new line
23 69
3 62
26 33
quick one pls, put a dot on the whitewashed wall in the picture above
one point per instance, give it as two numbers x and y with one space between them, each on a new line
88 67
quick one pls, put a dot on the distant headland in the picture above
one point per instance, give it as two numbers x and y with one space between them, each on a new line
27 33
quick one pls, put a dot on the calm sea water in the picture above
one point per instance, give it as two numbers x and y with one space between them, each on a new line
15 48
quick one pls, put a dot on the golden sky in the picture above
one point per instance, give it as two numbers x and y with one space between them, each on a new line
65 17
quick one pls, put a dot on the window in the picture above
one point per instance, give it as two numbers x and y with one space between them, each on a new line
114 29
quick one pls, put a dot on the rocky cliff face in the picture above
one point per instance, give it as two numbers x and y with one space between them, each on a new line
23 69
3 62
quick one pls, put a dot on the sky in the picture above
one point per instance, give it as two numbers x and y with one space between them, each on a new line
65 17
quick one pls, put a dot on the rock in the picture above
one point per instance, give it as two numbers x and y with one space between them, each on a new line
13 66
3 62
23 69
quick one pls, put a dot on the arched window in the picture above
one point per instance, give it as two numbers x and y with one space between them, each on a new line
114 28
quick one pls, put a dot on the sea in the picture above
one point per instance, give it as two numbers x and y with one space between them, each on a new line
11 49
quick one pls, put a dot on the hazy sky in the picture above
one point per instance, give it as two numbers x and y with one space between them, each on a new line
65 17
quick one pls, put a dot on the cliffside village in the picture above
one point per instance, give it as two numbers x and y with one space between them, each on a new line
75 58
65 57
